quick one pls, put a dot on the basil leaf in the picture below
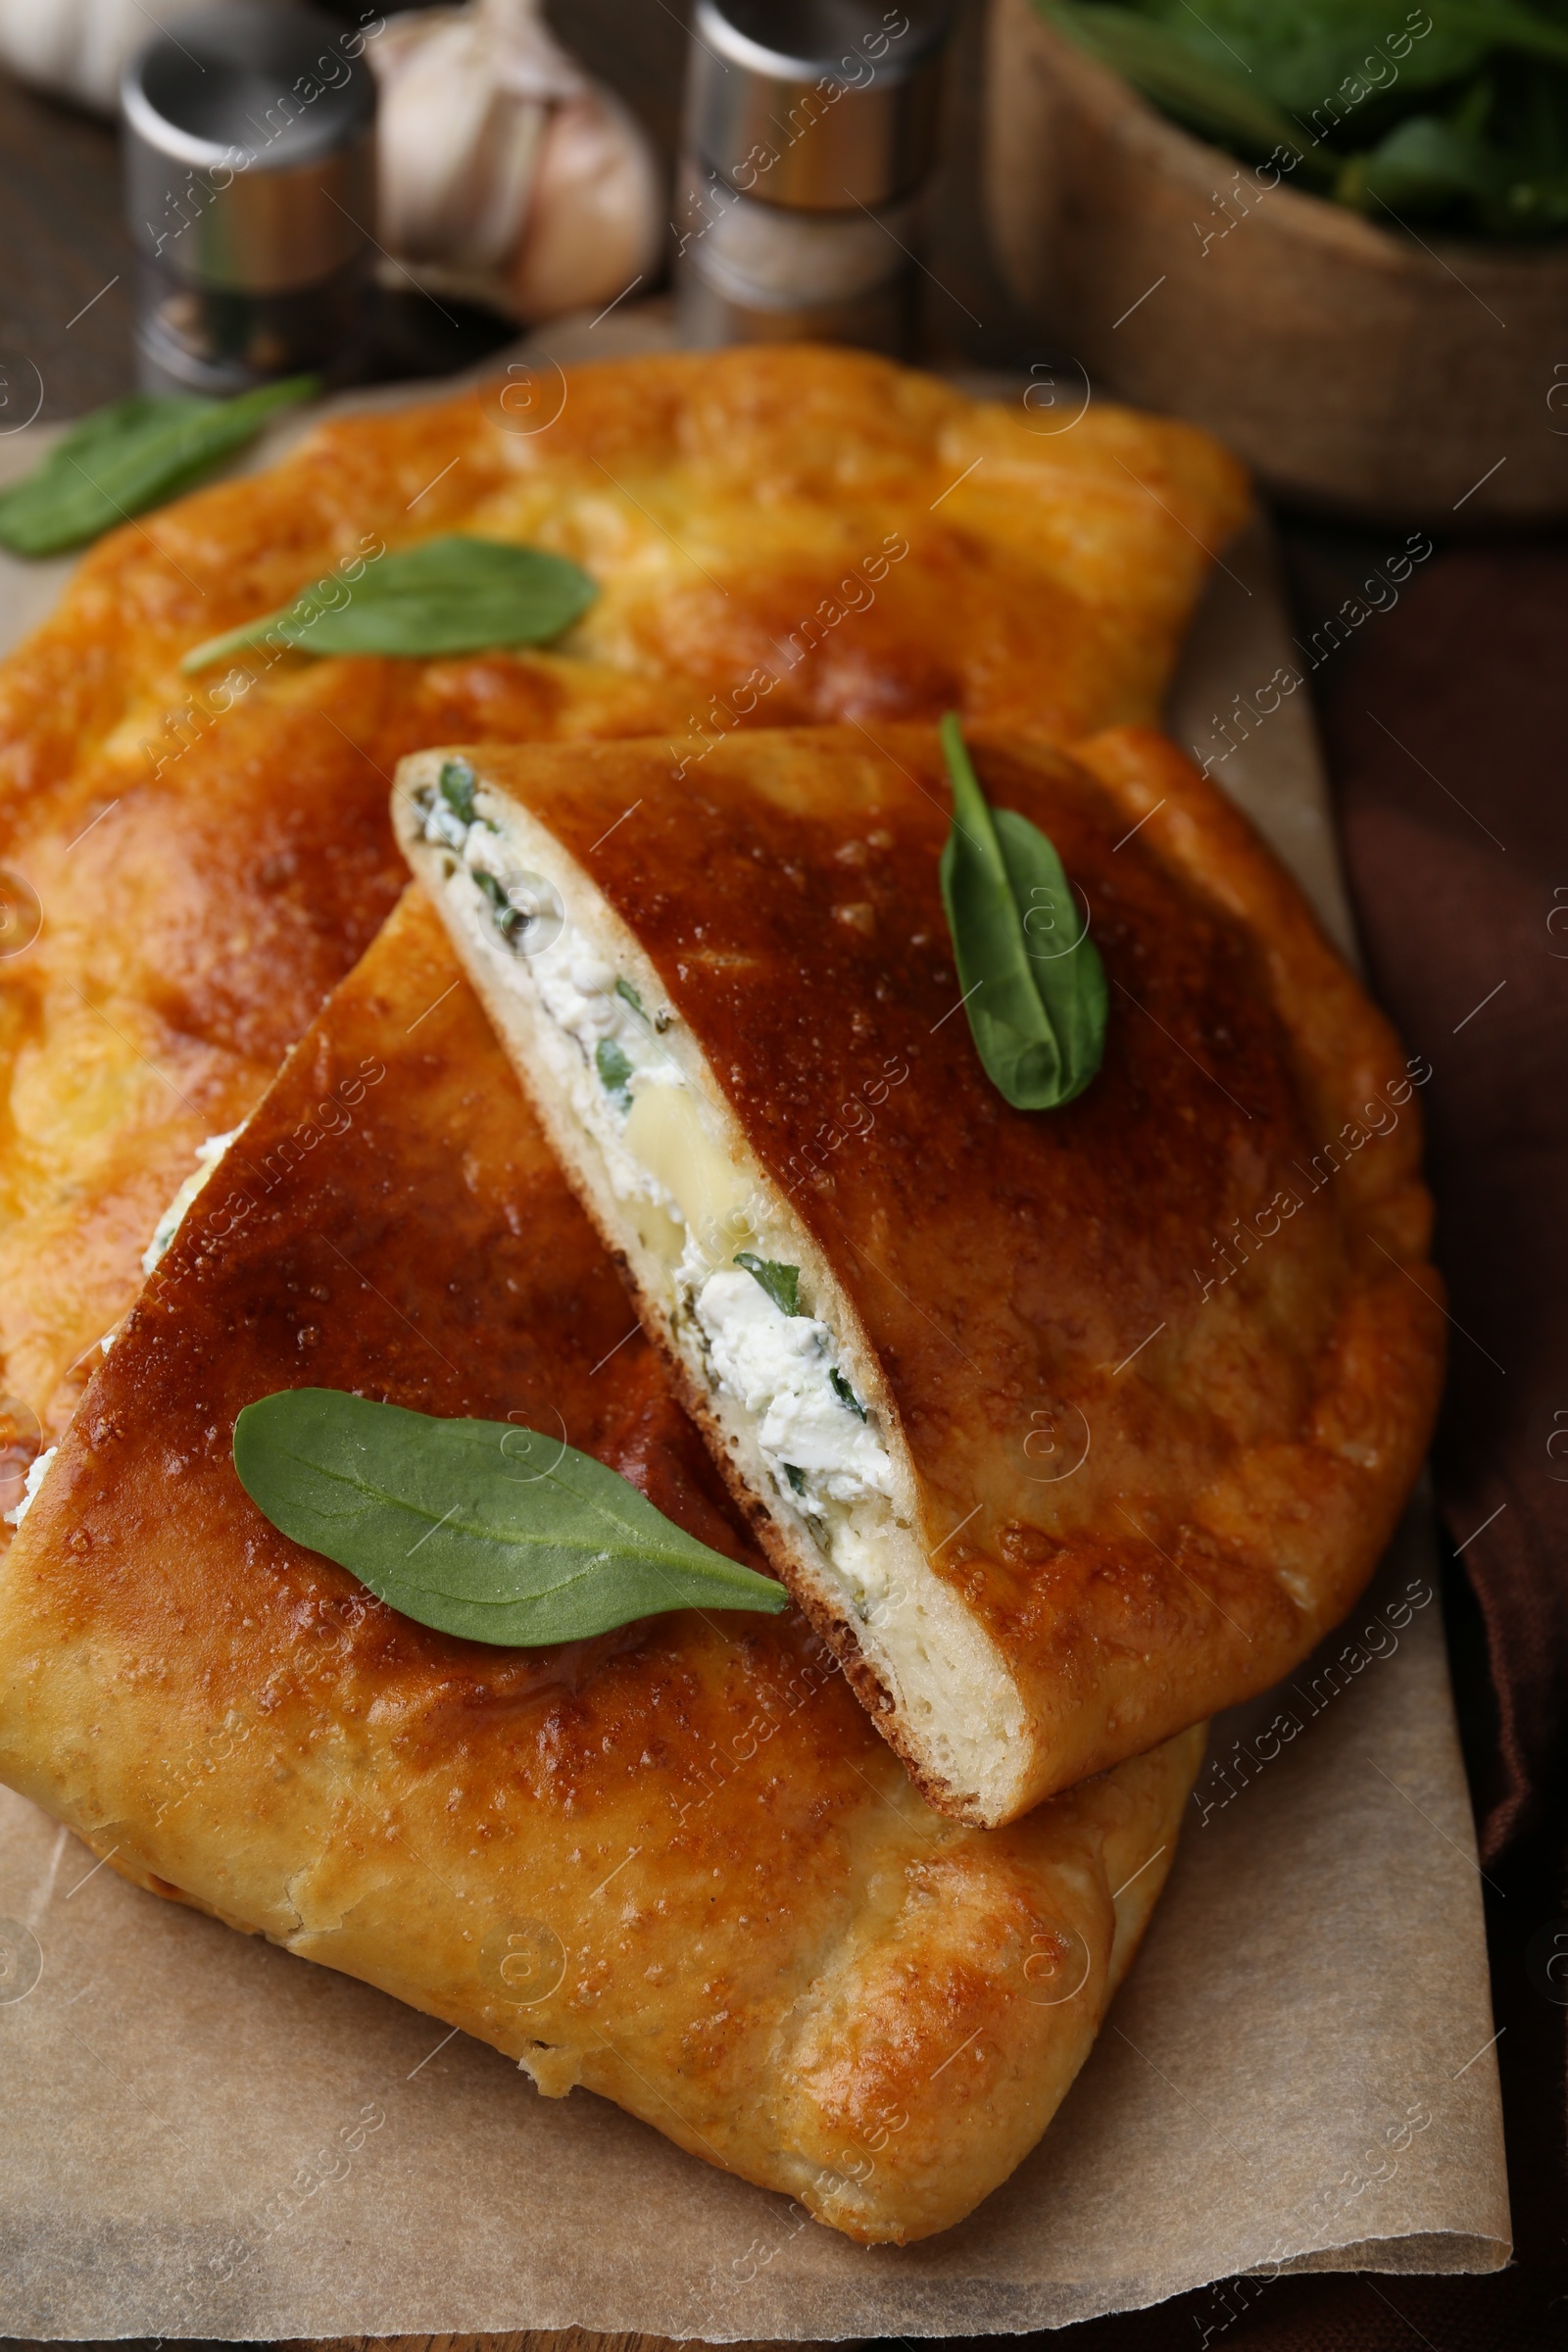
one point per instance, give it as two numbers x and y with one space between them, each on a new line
129 457
628 996
781 1282
1495 22
1033 982
448 596
1300 52
1422 166
1213 98
844 1393
476 1528
1456 112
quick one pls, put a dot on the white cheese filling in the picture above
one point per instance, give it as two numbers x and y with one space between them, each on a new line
780 1366
208 1156
37 1472
605 1048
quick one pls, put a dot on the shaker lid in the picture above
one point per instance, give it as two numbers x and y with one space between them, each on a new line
258 120
819 104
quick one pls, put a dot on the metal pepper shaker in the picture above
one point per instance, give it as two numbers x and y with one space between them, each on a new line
250 189
811 132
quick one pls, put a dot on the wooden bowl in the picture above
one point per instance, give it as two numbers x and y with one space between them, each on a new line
1355 368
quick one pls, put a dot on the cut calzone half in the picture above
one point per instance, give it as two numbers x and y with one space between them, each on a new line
672 1864
1066 1427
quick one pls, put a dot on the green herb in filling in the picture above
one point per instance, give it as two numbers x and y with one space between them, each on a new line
457 789
628 995
781 1282
797 1478
507 917
844 1393
615 1071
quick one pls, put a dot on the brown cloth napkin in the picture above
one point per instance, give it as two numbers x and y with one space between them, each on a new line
1446 735
1448 747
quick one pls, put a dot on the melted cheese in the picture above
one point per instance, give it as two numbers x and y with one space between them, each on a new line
664 1133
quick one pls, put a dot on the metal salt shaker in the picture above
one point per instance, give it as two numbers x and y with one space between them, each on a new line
811 132
250 188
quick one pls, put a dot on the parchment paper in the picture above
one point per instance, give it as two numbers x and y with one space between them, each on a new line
201 2135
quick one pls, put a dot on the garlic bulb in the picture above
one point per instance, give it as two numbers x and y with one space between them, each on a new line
78 48
507 177
594 184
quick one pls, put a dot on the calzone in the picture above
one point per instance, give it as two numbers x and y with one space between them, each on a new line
672 1864
1066 1426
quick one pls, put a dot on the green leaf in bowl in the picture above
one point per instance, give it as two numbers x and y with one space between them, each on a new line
1423 166
1302 54
1454 110
1220 100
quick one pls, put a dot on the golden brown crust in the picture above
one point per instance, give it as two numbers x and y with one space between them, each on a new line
739 1921
729 505
189 935
1166 1359
790 464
